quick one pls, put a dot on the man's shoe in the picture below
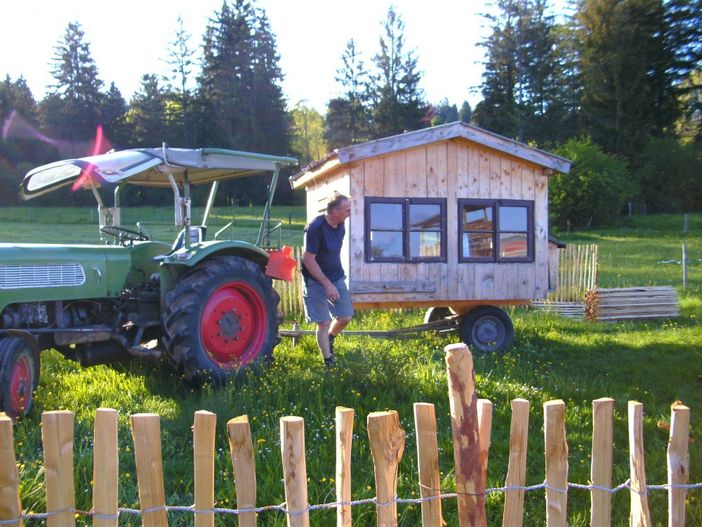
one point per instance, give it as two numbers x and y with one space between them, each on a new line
330 361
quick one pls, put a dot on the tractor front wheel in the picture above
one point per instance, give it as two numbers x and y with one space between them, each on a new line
19 376
220 317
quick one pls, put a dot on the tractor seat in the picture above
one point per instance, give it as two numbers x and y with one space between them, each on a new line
198 234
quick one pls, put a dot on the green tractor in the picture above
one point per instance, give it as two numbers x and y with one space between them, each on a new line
206 305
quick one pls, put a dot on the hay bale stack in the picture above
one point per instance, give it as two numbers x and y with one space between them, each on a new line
631 303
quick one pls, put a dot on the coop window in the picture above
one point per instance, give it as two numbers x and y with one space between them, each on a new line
405 230
496 230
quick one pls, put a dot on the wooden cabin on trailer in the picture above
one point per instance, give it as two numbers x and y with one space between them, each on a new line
452 218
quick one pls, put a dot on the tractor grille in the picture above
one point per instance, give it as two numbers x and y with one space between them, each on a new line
28 276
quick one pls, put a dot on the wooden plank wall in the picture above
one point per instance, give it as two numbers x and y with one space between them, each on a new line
453 169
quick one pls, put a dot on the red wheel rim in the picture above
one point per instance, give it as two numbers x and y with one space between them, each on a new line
21 385
234 325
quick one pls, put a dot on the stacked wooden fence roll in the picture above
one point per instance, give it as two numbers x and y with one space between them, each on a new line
631 303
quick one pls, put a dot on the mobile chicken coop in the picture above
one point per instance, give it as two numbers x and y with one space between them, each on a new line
452 218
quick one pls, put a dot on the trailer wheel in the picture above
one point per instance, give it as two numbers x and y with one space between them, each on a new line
19 376
220 317
487 329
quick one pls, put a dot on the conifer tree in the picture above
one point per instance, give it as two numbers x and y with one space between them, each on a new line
348 117
523 90
16 96
465 114
240 101
628 94
146 113
114 110
180 59
72 108
397 101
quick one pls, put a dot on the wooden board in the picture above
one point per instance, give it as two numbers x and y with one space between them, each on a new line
385 287
453 278
374 182
416 176
395 186
355 233
541 236
495 191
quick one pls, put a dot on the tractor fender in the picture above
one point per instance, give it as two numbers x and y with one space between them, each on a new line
24 335
183 260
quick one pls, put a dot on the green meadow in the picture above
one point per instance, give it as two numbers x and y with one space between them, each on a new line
656 362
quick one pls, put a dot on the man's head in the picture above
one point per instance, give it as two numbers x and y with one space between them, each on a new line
338 208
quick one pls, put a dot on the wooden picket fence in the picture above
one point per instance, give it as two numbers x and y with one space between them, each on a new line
471 422
291 303
577 272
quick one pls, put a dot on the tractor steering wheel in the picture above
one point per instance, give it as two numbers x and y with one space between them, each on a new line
124 236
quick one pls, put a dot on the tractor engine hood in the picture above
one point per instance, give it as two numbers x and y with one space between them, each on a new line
46 272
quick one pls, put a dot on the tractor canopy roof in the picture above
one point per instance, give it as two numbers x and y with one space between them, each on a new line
149 167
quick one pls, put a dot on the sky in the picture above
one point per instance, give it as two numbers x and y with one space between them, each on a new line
131 38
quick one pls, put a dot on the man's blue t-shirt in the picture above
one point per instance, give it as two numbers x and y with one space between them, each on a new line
325 241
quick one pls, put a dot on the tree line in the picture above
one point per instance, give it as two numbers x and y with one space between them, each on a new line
614 86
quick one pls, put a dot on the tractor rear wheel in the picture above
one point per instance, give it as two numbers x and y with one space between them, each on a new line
221 316
19 376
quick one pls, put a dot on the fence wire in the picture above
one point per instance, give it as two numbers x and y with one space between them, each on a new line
324 506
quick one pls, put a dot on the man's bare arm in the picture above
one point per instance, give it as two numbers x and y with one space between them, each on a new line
310 261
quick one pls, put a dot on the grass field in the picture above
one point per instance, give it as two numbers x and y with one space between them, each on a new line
654 362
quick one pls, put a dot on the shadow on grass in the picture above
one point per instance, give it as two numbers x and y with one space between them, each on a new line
654 363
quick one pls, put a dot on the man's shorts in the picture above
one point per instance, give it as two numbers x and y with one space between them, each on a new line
319 309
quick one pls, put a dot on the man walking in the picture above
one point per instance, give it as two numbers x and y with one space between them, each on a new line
326 295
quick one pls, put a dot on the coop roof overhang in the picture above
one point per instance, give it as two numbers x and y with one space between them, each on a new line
150 167
457 130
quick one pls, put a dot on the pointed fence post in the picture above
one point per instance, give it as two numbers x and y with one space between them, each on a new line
243 467
684 265
484 431
387 444
513 514
10 504
57 437
639 515
344 439
556 452
105 469
292 448
146 433
601 465
428 462
466 440
678 463
204 427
